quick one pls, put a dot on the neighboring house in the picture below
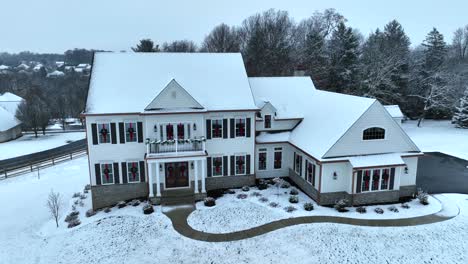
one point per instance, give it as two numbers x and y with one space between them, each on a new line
395 112
22 66
10 127
179 125
55 74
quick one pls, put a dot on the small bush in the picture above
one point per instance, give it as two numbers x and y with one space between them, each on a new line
293 199
393 209
73 223
423 197
294 191
262 184
241 196
76 202
361 210
73 208
85 191
83 196
135 202
81 203
245 188
209 202
230 191
290 209
76 195
273 204
263 199
121 204
107 210
285 185
71 216
148 209
215 193
308 206
340 205
87 187
256 194
405 206
379 210
90 213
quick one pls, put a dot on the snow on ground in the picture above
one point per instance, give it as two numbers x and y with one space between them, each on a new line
127 236
28 144
439 136
251 212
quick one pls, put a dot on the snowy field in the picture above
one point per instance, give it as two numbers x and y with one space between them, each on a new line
439 136
126 235
28 144
251 212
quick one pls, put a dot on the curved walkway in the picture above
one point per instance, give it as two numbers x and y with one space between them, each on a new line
179 215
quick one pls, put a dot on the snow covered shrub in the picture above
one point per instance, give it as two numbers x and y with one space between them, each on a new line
423 197
379 210
81 203
74 222
121 204
340 205
263 199
135 202
87 187
148 209
262 184
245 188
209 202
405 205
361 210
76 202
393 209
460 117
241 196
73 208
76 195
293 199
230 191
273 204
308 206
256 194
107 210
72 216
215 193
85 191
294 191
285 185
90 213
290 209
83 196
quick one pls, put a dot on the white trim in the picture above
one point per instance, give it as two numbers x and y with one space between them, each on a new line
139 172
222 128
222 165
266 159
235 164
99 133
125 132
245 127
380 179
373 140
188 176
102 171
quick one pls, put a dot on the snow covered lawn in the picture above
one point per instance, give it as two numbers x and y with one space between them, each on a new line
232 214
28 235
439 136
28 144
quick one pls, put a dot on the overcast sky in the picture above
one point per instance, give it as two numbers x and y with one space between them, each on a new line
58 25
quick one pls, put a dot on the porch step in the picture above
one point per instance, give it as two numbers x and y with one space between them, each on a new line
176 200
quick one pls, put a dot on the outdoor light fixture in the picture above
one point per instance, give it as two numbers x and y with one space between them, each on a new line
160 167
155 128
191 165
335 175
195 126
406 170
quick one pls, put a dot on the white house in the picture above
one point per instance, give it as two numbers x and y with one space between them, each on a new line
168 125
10 127
395 112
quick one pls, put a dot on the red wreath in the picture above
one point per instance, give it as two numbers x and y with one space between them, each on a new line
170 132
134 170
104 132
240 162
241 128
106 171
131 131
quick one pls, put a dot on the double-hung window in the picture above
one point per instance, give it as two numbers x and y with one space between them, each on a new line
376 179
240 127
107 173
133 171
180 131
130 132
262 159
104 133
267 121
217 166
169 131
217 128
366 177
278 158
240 165
311 173
298 164
385 179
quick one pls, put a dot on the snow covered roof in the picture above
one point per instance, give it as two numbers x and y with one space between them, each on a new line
10 97
264 137
10 102
376 160
56 73
327 116
394 111
128 82
23 66
7 120
4 67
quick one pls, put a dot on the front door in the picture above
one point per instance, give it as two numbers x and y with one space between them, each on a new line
177 174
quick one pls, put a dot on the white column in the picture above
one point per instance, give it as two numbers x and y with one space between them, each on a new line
150 179
158 186
195 166
203 166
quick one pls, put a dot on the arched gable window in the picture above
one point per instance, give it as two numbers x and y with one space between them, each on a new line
373 133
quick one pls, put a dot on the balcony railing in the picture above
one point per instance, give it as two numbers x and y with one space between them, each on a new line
158 147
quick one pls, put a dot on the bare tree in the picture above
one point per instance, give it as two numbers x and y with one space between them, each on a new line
222 39
54 204
180 46
460 42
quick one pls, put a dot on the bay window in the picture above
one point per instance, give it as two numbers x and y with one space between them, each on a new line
217 128
130 132
217 168
107 173
104 133
240 165
278 158
133 172
240 127
262 159
376 179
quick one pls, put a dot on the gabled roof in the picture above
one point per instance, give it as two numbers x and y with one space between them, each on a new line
327 116
128 82
9 97
173 96
7 120
394 111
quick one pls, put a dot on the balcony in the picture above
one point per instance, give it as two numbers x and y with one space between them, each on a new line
174 147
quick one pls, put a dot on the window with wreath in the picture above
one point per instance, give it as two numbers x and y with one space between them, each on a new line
267 121
375 179
262 160
130 132
217 166
107 173
180 131
240 127
104 133
385 178
240 165
278 158
217 128
373 133
133 171
169 132
365 180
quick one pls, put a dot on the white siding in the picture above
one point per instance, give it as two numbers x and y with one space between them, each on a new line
351 142
173 96
410 178
270 172
344 172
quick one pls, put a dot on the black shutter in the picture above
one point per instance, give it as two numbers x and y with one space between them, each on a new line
208 129
225 126
306 170
233 165
116 173
359 181
113 133
94 134
208 167
124 172
97 170
248 127
142 172
122 133
232 128
247 167
300 165
225 166
313 174
392 178
294 162
140 132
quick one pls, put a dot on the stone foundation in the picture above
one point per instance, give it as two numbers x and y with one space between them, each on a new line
376 197
303 185
109 195
407 191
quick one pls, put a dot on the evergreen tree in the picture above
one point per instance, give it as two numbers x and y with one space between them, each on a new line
460 119
435 52
146 45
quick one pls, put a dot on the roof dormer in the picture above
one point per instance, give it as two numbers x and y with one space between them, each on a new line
173 97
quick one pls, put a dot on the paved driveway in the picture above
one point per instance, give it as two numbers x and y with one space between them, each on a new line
441 173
